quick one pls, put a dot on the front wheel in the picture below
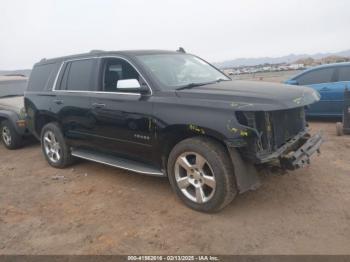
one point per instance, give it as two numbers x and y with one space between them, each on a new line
201 174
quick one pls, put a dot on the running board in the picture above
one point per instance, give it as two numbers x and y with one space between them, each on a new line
114 161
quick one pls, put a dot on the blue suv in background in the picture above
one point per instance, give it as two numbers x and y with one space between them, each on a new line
330 81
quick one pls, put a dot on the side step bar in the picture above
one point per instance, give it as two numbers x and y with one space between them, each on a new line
119 162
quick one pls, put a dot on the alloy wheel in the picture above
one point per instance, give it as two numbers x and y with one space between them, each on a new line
6 135
195 177
52 147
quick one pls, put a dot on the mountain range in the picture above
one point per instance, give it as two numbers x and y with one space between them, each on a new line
239 61
276 60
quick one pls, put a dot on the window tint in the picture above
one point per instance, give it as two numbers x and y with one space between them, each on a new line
316 77
78 75
42 77
116 70
344 73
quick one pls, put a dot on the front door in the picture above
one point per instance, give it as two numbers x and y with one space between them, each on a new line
123 119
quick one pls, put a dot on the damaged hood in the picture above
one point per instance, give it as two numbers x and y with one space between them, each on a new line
251 95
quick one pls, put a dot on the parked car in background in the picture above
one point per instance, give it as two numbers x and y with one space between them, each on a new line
330 81
12 114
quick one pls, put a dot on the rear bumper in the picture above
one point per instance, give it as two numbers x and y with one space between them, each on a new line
297 152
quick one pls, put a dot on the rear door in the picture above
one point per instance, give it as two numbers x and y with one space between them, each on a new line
72 102
322 80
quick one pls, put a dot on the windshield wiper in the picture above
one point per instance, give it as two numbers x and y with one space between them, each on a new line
191 85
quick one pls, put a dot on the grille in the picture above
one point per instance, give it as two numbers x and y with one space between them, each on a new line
276 127
286 124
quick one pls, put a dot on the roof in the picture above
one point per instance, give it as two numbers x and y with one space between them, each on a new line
320 67
96 53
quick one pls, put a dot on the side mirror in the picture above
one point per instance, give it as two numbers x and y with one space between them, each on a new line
132 86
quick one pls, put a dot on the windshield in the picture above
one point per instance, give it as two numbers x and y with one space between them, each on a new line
178 70
10 88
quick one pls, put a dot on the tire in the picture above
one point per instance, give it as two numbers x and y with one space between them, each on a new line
54 146
9 136
218 166
339 128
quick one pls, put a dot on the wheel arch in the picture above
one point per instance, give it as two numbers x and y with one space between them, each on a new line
13 118
41 119
174 134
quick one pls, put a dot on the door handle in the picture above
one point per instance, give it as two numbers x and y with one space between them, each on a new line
325 89
98 105
58 101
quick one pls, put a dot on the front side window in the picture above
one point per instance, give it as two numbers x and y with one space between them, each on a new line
176 70
316 77
344 73
78 75
115 70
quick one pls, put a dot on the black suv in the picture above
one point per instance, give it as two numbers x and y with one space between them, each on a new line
171 114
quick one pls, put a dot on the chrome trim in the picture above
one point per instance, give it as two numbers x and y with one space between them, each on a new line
109 138
56 78
97 92
118 166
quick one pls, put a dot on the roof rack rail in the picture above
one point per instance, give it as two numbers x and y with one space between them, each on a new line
43 60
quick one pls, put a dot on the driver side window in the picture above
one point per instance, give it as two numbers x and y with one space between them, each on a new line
114 70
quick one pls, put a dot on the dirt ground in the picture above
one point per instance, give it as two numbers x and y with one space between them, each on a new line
268 76
93 209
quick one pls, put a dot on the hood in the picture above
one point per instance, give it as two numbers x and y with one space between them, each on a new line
252 96
12 103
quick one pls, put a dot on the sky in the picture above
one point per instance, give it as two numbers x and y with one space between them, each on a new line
215 30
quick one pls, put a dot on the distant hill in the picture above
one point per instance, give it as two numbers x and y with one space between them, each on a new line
25 72
277 60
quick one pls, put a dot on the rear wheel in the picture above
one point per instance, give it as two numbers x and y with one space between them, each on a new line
9 136
201 174
54 147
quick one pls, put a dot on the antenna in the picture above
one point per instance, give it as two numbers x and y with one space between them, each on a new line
181 50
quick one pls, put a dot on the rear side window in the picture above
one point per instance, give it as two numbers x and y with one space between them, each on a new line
344 73
317 77
78 75
42 77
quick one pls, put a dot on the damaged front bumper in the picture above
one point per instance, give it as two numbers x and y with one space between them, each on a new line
296 153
